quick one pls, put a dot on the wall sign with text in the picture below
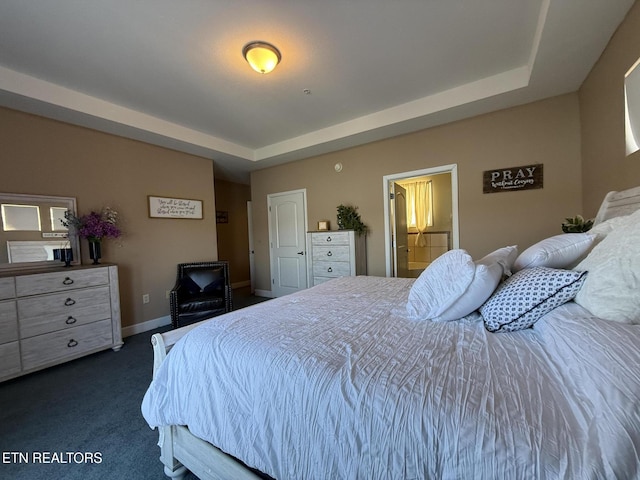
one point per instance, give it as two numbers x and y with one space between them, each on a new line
513 178
164 207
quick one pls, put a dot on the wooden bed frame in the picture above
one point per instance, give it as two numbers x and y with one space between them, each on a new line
616 204
181 451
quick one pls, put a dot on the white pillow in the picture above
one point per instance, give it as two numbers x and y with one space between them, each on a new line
560 251
612 289
528 295
489 270
441 284
602 229
505 257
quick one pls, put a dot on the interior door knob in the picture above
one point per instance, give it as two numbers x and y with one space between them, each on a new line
301 253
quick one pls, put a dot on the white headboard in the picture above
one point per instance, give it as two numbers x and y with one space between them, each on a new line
616 204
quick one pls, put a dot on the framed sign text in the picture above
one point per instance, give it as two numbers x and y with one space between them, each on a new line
527 177
165 207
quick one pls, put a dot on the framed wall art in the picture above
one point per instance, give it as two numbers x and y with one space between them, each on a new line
513 179
167 207
222 216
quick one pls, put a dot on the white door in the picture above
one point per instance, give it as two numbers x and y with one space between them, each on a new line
287 236
400 237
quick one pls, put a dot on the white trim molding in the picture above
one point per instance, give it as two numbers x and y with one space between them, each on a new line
453 170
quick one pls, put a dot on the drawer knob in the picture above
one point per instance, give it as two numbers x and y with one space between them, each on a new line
69 301
329 269
328 239
72 343
329 254
67 281
70 321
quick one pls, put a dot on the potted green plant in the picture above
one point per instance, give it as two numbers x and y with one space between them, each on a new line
576 224
349 219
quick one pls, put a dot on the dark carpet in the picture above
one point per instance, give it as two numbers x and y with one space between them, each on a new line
81 420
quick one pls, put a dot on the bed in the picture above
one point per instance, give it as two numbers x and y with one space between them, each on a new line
352 379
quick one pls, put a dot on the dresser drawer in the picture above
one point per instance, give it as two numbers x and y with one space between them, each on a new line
8 322
9 359
48 313
331 269
60 281
57 346
330 238
335 253
7 288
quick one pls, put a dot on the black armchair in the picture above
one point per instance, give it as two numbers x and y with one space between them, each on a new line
202 290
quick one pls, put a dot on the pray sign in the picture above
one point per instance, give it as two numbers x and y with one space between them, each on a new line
514 178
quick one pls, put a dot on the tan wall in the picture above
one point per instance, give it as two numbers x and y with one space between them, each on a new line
546 132
605 166
53 158
46 157
233 237
442 220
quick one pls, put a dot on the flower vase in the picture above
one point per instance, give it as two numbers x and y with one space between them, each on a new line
95 251
66 255
63 254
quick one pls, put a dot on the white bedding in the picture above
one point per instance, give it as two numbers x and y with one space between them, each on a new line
336 382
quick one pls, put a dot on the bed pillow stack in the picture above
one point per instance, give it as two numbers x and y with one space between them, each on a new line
611 291
541 282
454 286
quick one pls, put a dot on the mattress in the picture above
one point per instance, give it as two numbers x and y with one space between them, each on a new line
338 382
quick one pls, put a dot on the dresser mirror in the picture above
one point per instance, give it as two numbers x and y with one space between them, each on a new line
32 233
632 108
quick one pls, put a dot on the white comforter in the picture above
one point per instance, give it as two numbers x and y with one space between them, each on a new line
337 383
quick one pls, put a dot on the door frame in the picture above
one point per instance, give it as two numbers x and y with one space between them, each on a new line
393 225
272 268
388 241
252 252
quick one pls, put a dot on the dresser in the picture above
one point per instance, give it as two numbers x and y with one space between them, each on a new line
51 316
335 254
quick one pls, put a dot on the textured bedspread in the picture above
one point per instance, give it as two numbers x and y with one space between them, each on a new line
337 383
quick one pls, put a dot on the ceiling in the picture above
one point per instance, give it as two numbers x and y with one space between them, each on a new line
172 73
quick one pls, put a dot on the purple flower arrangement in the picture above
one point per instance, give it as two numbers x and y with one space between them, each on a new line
95 226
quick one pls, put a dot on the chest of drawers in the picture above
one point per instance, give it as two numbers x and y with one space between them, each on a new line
336 254
53 316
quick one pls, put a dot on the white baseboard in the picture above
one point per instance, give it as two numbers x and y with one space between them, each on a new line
166 320
146 326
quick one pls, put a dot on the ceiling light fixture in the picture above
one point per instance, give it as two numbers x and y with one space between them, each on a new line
263 57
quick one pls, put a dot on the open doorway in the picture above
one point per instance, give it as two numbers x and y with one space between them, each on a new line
421 218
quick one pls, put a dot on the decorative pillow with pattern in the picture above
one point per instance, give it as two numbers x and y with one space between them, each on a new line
527 295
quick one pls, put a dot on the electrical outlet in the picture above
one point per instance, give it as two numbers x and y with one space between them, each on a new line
167 293
145 298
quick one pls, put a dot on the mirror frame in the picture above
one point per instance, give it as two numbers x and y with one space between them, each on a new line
631 108
69 203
